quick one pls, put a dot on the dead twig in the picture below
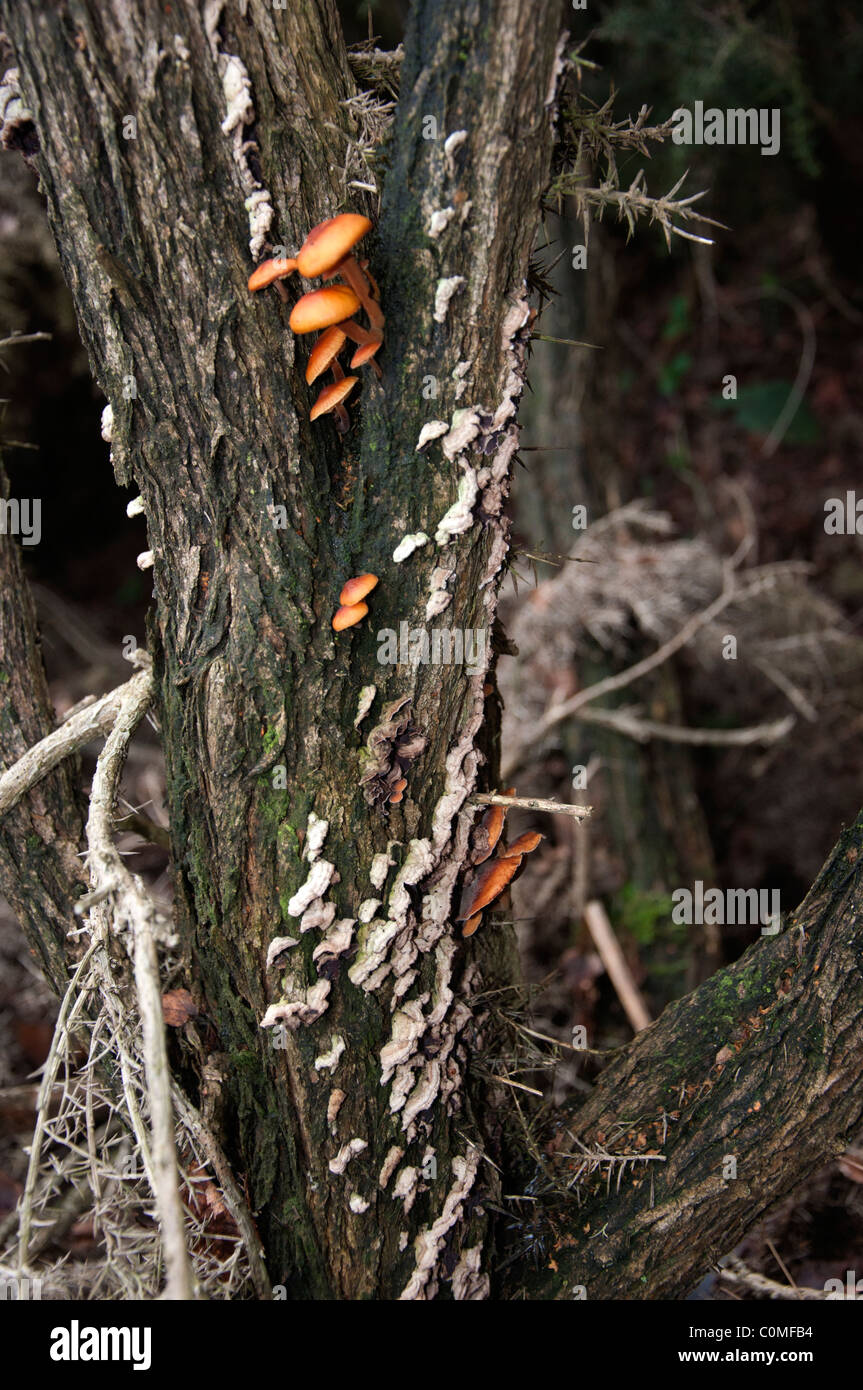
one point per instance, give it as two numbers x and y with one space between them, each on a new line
531 803
643 730
93 721
613 959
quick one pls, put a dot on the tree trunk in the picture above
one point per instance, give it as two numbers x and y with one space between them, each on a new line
721 1108
39 864
355 1124
210 418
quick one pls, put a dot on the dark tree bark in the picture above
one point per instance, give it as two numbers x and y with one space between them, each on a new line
39 866
258 697
762 1065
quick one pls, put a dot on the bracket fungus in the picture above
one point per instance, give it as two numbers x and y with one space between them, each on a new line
525 844
391 748
492 876
489 883
487 833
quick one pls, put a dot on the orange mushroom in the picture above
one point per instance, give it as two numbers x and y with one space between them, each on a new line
348 615
268 272
489 883
357 589
324 354
326 251
330 242
365 354
332 398
471 925
323 308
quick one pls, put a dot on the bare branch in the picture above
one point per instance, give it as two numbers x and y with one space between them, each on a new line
532 803
615 964
79 728
729 594
643 730
129 907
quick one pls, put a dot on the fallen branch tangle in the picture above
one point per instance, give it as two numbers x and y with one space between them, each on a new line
119 910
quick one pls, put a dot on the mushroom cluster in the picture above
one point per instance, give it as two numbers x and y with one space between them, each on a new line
327 253
351 608
496 874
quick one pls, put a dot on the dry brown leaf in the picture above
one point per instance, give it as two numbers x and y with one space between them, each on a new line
178 1007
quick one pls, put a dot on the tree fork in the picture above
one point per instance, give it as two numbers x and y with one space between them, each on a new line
210 419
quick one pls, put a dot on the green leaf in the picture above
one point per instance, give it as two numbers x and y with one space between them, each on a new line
759 406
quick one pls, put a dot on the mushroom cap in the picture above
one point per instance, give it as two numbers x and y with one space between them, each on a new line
471 925
365 353
349 614
525 844
489 883
328 347
269 271
358 588
333 395
323 308
330 242
490 827
398 791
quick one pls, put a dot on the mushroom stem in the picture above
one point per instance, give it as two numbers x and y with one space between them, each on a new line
358 335
353 276
375 288
343 419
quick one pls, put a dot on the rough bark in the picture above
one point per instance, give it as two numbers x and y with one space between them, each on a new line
153 237
39 867
763 1064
